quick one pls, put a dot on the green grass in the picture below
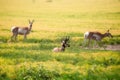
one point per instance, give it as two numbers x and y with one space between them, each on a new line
33 59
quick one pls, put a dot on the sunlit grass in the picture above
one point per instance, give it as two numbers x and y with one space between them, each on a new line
54 20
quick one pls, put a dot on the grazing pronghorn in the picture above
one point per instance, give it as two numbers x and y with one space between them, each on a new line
21 30
97 36
64 44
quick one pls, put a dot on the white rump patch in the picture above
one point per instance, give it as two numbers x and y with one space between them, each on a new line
12 28
86 35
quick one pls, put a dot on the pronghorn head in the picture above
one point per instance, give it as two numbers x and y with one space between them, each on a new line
30 23
108 34
65 42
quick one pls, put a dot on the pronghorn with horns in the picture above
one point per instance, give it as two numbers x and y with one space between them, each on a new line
97 36
21 30
64 44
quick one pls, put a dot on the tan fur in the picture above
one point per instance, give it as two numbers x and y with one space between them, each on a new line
64 44
97 36
57 49
21 30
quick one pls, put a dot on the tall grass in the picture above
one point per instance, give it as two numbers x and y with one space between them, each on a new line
33 59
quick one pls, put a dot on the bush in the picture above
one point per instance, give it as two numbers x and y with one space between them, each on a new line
36 73
3 75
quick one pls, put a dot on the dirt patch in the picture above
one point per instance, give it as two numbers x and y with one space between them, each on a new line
112 47
106 47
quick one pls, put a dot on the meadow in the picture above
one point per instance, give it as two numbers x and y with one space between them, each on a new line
33 59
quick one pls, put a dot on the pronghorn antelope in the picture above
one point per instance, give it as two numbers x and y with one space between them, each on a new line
97 36
64 44
21 30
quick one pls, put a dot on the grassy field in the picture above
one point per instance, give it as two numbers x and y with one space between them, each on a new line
33 58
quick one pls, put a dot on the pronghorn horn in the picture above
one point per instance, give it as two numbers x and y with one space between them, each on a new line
62 39
65 37
68 37
109 30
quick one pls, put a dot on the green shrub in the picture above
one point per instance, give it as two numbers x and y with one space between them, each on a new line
3 75
36 73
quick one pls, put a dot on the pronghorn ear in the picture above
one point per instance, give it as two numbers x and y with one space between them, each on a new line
33 21
29 21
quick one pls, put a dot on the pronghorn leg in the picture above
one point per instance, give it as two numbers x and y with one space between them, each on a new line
84 43
12 36
25 36
100 44
89 42
95 43
15 36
